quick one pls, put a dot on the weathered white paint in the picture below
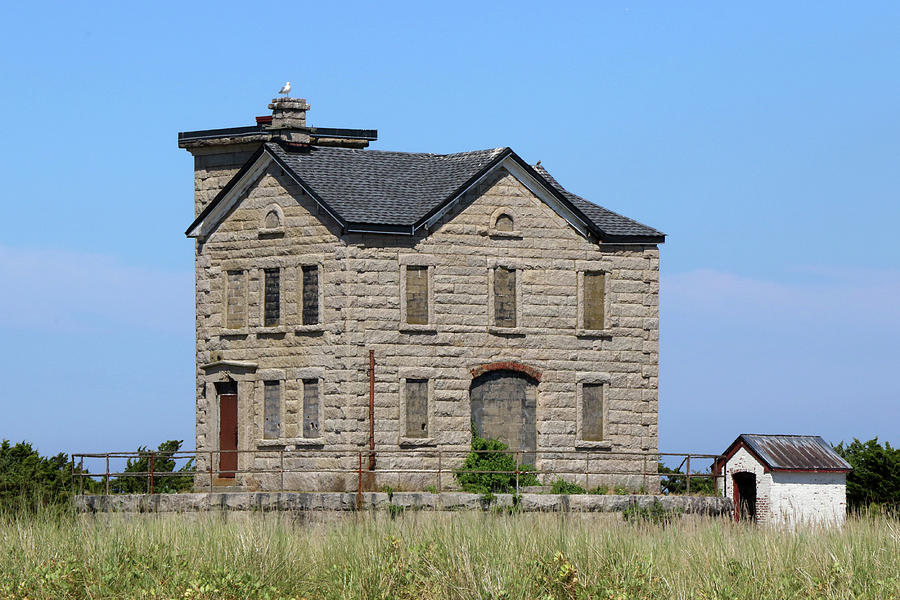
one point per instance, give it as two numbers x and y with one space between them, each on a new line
808 498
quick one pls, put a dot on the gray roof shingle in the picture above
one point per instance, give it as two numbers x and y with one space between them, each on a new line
384 190
391 188
606 220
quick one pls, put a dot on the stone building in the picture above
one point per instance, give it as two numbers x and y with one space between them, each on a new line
784 480
350 299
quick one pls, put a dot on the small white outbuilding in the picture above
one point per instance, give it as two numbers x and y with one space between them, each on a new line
784 480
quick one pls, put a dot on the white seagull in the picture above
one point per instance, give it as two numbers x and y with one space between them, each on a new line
285 89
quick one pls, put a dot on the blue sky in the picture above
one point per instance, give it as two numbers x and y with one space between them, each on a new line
764 140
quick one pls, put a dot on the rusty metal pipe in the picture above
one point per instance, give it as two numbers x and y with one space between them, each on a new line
371 410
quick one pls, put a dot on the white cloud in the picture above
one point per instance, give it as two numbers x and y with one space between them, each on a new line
58 290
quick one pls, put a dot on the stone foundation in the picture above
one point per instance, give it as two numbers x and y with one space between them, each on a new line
348 501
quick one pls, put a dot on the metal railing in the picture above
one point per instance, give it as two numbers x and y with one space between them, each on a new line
578 465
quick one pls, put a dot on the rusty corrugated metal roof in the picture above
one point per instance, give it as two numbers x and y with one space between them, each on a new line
794 452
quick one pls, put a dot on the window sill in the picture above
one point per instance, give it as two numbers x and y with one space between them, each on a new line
271 443
594 333
308 442
284 442
496 233
506 331
270 329
407 442
309 329
270 233
413 328
593 445
234 332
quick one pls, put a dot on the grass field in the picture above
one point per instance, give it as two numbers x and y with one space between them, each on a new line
441 556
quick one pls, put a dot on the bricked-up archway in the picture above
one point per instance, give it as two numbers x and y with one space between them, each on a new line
504 404
507 365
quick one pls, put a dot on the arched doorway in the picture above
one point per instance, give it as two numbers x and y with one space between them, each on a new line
744 496
504 404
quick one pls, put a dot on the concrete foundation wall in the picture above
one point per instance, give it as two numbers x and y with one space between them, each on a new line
338 502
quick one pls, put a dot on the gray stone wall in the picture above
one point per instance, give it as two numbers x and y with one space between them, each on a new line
358 284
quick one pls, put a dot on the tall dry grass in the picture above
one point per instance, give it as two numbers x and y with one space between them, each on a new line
440 556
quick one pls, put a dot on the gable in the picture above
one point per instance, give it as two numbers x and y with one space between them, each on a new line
368 191
269 210
531 224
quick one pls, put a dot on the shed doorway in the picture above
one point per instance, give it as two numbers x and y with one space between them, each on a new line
744 496
504 404
228 429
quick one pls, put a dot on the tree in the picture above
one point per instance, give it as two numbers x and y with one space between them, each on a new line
700 486
28 479
163 459
875 478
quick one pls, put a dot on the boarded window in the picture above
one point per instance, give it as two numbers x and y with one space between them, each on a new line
272 410
273 221
417 295
236 300
310 293
272 310
594 298
311 408
504 223
504 297
416 408
592 411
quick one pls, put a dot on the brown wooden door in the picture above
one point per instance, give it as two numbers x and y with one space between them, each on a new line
228 435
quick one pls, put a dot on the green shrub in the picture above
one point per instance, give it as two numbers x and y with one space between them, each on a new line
600 490
875 478
561 486
491 455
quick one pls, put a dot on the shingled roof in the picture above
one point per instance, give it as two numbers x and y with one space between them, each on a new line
399 192
374 186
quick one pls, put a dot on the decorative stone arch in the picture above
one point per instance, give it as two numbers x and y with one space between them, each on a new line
503 223
272 220
507 365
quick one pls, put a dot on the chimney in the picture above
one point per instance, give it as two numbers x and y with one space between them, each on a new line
289 120
220 153
288 113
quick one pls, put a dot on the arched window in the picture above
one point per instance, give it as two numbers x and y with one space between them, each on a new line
504 222
273 221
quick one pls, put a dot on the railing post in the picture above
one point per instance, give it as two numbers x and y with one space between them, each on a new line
150 481
81 474
587 467
210 471
282 470
107 473
644 472
440 473
688 469
359 485
517 472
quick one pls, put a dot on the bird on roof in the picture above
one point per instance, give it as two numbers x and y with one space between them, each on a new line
285 89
